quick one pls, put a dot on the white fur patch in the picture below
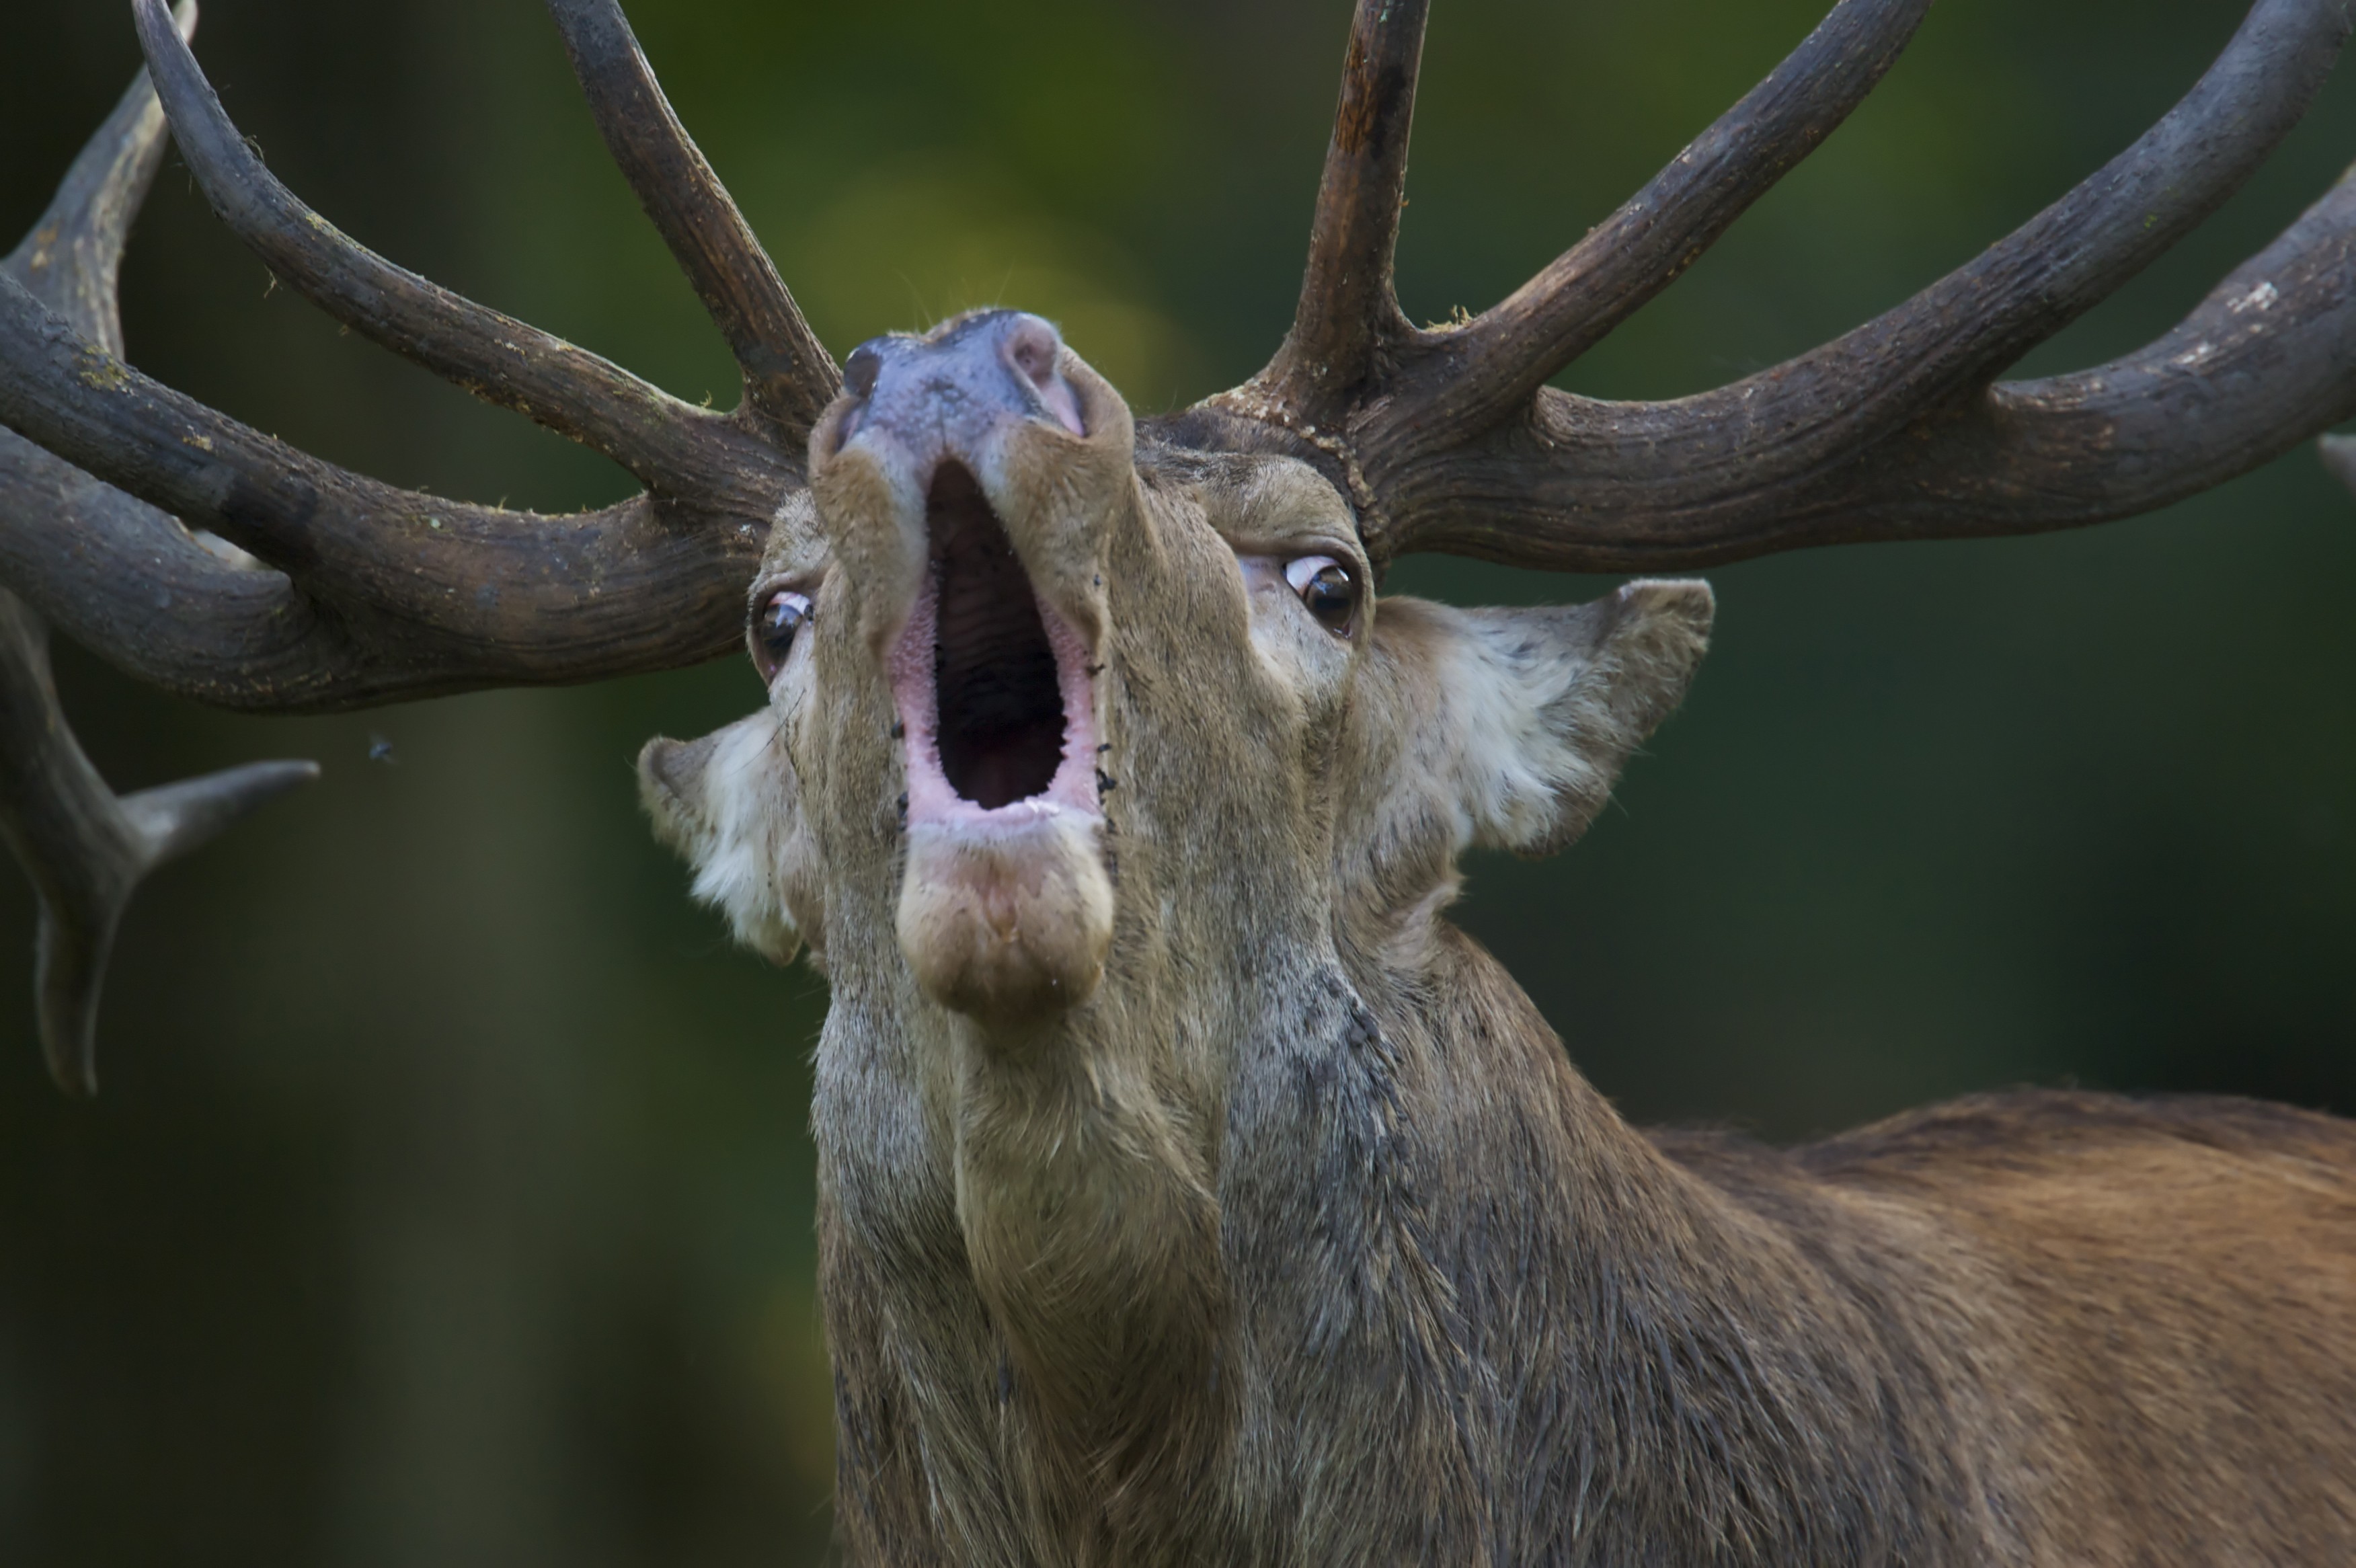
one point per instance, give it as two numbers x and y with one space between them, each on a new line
1582 696
730 803
1537 710
1517 763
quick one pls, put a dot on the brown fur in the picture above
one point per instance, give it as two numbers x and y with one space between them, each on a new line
1300 1240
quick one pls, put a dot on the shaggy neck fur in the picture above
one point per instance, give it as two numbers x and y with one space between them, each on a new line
1414 1312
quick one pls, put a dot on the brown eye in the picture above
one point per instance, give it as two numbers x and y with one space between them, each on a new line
773 625
1327 589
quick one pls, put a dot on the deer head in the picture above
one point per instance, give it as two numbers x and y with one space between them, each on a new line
1118 809
1056 706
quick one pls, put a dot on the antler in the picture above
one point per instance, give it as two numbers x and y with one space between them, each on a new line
1452 440
381 593
84 849
789 378
334 590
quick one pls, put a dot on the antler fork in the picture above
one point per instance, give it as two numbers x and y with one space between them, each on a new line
85 848
1451 440
117 494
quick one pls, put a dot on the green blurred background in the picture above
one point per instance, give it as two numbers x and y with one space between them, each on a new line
448 1202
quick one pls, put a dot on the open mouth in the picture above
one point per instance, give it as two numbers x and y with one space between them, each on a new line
993 685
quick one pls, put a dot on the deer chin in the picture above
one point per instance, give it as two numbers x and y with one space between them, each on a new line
1005 907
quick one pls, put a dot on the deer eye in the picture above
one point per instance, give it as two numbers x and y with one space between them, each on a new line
1328 590
774 622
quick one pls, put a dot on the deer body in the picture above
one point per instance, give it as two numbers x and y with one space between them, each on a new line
1528 1334
1470 1316
1190 1191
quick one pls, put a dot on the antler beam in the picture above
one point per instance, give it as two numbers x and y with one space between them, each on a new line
374 593
1451 441
85 850
204 557
2267 359
1824 448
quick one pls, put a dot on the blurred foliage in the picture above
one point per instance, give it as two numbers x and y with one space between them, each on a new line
448 1201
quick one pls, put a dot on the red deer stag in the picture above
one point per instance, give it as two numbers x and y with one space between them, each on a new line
1190 1191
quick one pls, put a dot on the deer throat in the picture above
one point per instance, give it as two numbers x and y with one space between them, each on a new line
1005 907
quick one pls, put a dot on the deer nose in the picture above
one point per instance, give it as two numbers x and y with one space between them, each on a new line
950 386
859 372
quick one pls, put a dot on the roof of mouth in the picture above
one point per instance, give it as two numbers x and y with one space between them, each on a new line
999 708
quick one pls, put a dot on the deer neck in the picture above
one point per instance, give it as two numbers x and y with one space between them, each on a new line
1038 1211
1395 1230
1084 1196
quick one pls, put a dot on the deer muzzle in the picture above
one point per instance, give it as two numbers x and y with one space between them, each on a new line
967 480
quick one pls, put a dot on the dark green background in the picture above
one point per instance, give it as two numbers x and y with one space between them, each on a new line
448 1200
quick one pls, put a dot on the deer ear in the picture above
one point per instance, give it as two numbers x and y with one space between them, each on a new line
731 804
1532 711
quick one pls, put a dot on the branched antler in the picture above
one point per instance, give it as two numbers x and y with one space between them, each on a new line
84 849
387 593
292 585
1452 441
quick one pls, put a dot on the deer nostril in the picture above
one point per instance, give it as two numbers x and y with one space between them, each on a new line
1031 348
859 372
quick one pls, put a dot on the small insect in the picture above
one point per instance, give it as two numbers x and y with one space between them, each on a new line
381 751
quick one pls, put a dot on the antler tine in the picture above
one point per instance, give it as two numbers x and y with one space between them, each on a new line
1716 477
2338 454
1494 365
381 593
789 378
442 595
1347 310
2267 357
123 579
85 850
257 635
2265 361
667 444
73 255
